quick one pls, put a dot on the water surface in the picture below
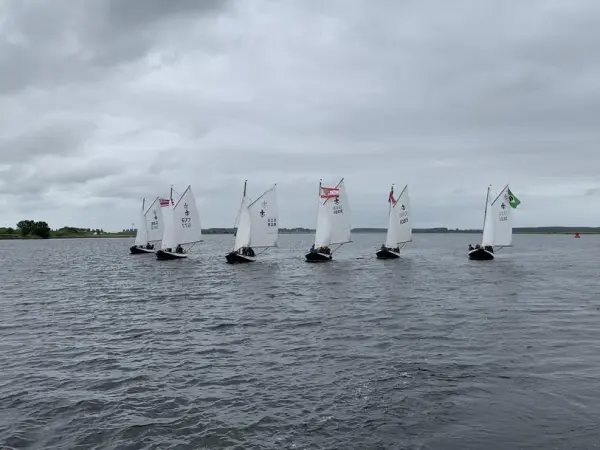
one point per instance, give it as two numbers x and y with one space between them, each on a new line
103 350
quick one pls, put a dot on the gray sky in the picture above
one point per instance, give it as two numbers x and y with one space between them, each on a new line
103 102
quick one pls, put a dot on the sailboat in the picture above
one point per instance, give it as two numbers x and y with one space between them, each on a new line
399 230
257 227
333 223
181 227
497 226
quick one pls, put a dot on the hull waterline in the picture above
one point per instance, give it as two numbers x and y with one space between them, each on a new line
479 254
236 258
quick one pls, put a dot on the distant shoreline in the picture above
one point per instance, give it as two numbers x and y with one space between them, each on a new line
231 231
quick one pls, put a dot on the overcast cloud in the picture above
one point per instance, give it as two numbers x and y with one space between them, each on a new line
103 102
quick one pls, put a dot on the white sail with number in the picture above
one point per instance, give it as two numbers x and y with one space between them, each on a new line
333 218
502 219
264 220
399 223
154 221
258 222
186 219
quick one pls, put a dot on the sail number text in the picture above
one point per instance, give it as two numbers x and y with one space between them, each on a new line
403 217
338 210
186 222
154 225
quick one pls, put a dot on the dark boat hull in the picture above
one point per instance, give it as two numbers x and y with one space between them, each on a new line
317 257
480 254
234 258
387 254
165 256
140 251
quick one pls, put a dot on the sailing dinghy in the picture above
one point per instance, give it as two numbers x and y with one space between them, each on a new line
497 225
333 223
257 227
182 228
399 231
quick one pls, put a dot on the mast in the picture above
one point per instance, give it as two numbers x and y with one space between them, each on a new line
487 197
390 207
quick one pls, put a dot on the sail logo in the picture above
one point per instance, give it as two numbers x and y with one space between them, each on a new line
272 222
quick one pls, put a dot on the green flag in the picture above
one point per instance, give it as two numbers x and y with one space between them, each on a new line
512 199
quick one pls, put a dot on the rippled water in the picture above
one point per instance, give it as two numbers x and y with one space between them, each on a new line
102 350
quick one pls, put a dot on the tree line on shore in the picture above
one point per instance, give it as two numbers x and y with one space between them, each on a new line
41 230
25 229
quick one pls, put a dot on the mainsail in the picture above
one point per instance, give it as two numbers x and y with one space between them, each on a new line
264 220
502 218
186 219
497 223
257 222
333 218
168 236
141 236
154 221
399 224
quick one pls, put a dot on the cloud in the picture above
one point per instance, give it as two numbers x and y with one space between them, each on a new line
105 102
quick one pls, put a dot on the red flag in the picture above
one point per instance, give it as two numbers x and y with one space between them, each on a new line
164 202
330 192
391 198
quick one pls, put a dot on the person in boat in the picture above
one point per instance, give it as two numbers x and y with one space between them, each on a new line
383 247
470 247
312 249
489 248
397 249
251 252
149 246
179 249
478 246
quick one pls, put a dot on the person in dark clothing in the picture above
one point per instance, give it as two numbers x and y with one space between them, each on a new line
397 249
179 249
250 252
470 247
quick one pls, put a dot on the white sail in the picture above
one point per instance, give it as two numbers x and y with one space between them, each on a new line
488 223
399 225
186 219
154 221
501 217
141 236
242 234
339 213
323 231
168 237
264 220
